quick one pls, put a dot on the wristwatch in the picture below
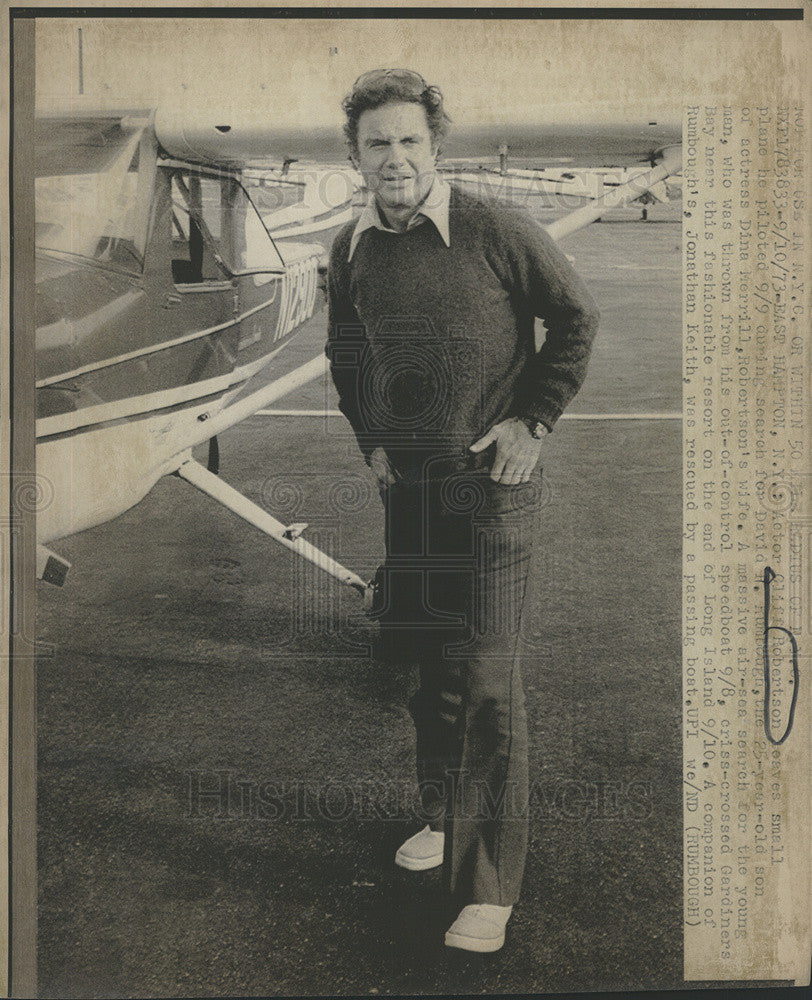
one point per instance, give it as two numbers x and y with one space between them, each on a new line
536 427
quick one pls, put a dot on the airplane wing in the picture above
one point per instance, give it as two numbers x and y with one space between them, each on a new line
581 136
578 134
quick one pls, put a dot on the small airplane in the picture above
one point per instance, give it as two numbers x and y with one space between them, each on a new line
551 187
162 297
175 260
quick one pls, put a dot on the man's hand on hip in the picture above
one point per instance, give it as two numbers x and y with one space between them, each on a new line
381 468
517 451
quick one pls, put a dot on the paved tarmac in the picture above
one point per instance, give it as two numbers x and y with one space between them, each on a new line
189 654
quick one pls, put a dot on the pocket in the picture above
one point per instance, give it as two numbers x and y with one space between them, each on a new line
503 498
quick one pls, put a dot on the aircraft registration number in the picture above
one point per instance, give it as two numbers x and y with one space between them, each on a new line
298 298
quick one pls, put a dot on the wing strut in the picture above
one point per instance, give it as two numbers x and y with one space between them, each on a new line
671 163
198 475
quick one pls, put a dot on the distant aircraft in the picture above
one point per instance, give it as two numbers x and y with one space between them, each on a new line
175 260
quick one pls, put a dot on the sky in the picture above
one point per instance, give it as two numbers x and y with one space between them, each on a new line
488 71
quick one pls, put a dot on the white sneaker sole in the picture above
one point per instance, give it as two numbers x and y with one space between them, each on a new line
472 943
418 864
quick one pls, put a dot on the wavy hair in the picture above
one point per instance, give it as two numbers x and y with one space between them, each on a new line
373 90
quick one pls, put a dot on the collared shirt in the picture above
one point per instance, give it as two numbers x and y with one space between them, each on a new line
434 208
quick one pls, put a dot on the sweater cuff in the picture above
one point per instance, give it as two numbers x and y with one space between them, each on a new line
542 413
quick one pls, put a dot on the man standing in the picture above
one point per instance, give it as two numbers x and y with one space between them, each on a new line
433 295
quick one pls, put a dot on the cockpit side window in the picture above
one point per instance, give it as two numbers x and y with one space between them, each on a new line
199 220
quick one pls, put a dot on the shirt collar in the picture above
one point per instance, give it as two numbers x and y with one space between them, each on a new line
435 208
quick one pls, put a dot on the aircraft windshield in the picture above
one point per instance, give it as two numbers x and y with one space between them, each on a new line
93 213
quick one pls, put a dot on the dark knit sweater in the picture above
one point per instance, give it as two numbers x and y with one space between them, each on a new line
431 345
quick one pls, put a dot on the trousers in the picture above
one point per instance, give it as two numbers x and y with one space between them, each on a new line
458 552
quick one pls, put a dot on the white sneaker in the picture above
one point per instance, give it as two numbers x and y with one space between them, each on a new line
423 850
479 927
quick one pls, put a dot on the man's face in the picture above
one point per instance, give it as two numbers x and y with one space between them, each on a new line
396 154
